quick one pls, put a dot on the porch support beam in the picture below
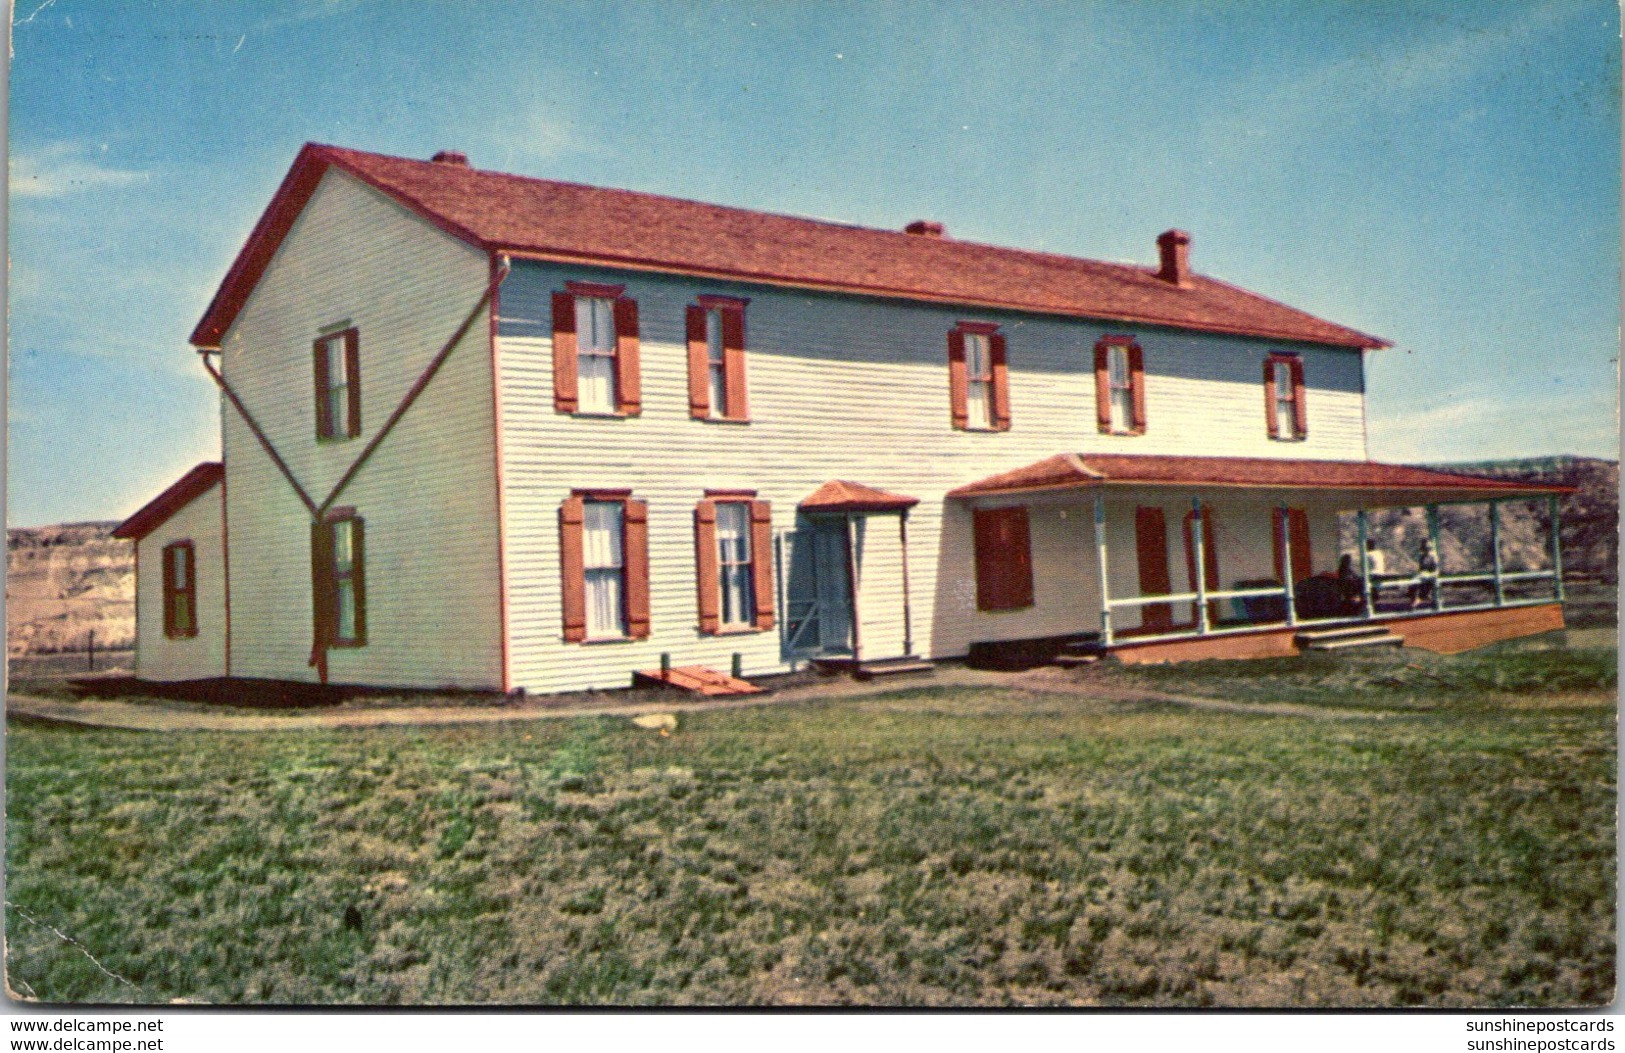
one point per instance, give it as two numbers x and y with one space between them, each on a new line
1364 529
1438 556
908 611
1555 516
1285 519
1198 547
852 583
1101 564
1495 552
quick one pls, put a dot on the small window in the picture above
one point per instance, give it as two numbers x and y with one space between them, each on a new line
338 385
716 365
339 564
595 348
978 377
603 550
735 565
716 359
180 590
1120 386
978 382
1283 394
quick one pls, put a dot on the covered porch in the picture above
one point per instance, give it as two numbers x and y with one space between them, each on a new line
1275 557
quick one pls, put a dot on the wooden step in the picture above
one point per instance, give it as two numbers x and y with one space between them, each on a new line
1348 643
695 679
1067 661
893 667
1349 632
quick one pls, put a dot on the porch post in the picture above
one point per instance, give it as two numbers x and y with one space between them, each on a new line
1100 555
1557 545
1438 556
1365 563
1286 564
1495 549
784 598
908 612
852 582
1199 551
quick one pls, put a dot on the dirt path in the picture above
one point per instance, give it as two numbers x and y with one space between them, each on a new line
129 716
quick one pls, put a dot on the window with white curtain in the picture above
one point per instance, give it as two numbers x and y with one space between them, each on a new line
715 364
346 627
604 562
1286 420
734 572
595 348
978 381
1122 387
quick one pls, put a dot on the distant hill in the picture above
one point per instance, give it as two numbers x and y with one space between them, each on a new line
63 582
1590 519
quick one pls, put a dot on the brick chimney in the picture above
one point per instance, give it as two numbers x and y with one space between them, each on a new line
1175 249
452 158
925 228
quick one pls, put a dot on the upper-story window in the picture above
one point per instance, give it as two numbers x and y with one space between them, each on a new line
604 554
1120 385
180 590
595 351
338 385
1286 412
978 377
716 359
340 589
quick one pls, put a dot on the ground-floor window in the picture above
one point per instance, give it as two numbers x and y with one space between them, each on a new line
180 590
339 561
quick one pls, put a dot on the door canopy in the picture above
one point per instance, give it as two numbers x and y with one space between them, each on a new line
839 497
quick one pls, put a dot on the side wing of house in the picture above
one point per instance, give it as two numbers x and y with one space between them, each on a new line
355 304
180 594
843 387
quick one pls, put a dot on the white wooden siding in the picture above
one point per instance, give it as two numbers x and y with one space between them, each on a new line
428 495
157 657
846 387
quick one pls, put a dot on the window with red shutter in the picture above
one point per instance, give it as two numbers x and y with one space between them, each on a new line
339 578
596 351
1151 547
716 359
338 384
733 544
978 378
180 590
1004 564
1286 412
1120 386
604 566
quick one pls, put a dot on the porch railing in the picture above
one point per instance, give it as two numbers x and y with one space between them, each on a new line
1498 578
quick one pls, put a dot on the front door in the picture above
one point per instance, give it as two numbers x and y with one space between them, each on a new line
818 597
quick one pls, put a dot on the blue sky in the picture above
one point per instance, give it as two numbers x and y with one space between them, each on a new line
1444 174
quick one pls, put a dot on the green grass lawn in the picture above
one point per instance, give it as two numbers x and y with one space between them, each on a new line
928 846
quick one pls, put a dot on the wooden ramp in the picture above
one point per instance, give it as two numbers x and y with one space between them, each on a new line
695 679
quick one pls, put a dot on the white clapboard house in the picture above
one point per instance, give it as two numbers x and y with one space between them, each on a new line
494 432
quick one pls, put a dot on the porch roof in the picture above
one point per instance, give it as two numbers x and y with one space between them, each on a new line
178 495
1376 483
838 496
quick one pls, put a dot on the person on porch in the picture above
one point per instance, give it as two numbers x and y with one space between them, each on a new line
1427 576
1350 586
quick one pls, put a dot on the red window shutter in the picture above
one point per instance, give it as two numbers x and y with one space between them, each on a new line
169 590
321 583
733 362
572 568
761 560
324 419
1004 570
352 378
1300 408
1210 557
566 387
628 369
958 381
1269 400
699 364
1103 386
1001 382
1151 545
1136 379
1296 526
706 572
635 548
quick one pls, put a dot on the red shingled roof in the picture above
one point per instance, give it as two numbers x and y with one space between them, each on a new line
1074 470
575 223
180 493
838 495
